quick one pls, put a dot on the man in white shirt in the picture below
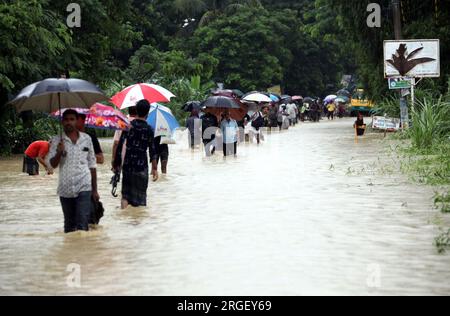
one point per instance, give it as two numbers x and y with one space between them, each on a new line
74 154
292 111
230 134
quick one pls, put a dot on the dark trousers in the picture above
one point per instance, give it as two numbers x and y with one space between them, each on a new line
230 149
77 212
30 166
331 115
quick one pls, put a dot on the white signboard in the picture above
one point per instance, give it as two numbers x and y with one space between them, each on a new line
386 123
412 58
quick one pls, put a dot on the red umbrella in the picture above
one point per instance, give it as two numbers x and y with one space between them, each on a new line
132 94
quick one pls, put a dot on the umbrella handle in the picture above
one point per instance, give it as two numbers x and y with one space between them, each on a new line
61 119
64 154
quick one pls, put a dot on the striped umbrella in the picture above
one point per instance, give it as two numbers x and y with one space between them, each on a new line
131 95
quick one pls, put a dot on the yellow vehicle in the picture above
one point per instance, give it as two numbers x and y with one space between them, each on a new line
359 103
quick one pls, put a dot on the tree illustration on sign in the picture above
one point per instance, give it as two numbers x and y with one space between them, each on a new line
404 63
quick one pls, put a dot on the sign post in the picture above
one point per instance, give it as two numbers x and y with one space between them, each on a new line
413 59
399 83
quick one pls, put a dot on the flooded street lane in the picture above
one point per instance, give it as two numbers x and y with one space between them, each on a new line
307 212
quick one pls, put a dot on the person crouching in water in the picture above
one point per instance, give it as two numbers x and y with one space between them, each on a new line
36 154
359 125
73 153
135 172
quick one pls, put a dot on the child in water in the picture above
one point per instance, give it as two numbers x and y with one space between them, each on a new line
359 125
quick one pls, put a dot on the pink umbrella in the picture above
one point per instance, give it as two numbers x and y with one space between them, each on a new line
297 98
132 94
101 116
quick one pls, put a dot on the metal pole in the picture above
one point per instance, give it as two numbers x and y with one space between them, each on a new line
396 13
397 19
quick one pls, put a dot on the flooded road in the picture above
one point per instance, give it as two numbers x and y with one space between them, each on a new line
307 212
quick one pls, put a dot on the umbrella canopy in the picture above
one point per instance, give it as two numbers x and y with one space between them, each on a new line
162 120
238 93
342 100
275 98
330 98
217 104
286 98
53 94
191 105
343 92
131 95
220 102
256 97
308 100
101 116
222 92
297 98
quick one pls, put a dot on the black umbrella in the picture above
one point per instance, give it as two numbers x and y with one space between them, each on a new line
191 105
50 95
219 102
308 100
286 98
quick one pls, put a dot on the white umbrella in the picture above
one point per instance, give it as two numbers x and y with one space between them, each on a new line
257 97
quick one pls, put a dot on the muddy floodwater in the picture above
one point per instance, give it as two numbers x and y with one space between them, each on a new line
309 211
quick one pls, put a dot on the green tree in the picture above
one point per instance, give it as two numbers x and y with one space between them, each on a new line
207 11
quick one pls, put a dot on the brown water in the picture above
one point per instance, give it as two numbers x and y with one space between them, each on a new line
307 212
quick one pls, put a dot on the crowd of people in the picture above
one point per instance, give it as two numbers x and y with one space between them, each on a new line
137 153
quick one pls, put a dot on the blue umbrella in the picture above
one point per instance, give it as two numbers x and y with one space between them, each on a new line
274 98
162 120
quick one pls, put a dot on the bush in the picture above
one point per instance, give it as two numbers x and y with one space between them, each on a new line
430 122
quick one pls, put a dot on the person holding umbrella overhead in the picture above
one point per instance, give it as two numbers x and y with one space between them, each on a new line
72 151
74 154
